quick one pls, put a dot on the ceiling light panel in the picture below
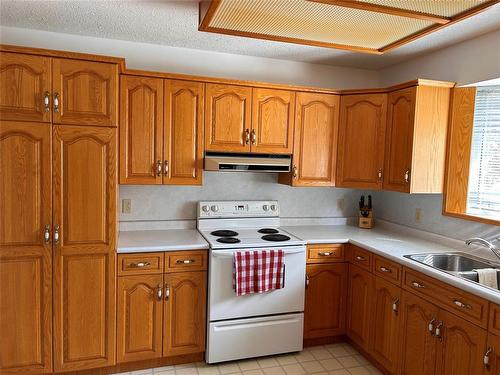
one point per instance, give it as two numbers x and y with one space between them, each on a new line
317 22
445 8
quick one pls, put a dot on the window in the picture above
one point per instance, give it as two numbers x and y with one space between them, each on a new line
483 196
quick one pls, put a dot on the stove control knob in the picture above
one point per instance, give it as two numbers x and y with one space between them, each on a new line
265 207
274 207
205 208
215 208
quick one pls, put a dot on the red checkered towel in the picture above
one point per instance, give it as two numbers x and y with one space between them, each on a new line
258 271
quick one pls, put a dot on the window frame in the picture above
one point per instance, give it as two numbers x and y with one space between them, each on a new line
458 152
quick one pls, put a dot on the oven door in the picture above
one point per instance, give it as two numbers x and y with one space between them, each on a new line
224 304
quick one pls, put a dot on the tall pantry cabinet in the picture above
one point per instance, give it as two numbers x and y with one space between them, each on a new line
58 168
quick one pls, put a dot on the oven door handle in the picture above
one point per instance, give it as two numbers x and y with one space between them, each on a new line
230 254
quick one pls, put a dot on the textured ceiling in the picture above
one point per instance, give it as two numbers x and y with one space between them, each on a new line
176 24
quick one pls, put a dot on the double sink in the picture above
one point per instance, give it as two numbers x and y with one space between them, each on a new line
457 264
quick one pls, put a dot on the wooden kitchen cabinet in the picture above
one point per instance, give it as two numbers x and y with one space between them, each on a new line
228 115
417 121
492 356
25 87
141 130
25 255
85 92
315 141
360 160
325 301
272 121
360 306
385 336
139 317
183 134
84 214
184 313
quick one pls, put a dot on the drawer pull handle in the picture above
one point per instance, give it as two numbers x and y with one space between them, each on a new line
184 261
438 331
46 234
325 253
486 358
167 292
307 280
360 258
159 292
395 304
417 285
56 102
139 264
462 305
387 270
247 136
46 101
430 326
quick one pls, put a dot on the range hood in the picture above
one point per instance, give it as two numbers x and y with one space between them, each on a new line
226 162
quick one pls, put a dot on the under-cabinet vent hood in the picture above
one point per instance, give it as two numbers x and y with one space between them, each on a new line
247 162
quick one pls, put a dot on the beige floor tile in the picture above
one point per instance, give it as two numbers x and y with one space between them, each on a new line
362 360
321 354
338 350
268 362
331 364
229 368
209 370
165 372
186 371
340 372
359 371
348 362
249 364
274 371
350 349
312 367
253 372
373 370
148 371
158 370
294 369
304 356
286 359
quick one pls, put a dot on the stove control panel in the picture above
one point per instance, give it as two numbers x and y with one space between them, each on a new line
228 209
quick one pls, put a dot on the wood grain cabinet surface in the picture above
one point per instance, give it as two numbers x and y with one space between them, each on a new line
315 141
362 126
492 355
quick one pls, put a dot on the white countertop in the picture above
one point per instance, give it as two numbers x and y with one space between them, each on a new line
142 241
394 244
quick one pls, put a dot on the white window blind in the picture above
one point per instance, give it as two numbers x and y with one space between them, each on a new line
483 197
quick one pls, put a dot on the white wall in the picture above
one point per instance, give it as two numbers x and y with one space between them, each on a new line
197 62
471 61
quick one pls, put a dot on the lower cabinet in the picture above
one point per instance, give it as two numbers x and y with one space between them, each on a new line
160 314
325 291
492 355
385 337
359 306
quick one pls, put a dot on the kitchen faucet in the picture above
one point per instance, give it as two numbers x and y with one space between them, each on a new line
488 244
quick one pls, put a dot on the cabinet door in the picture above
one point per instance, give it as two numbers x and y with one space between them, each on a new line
183 145
139 317
85 92
384 345
361 141
141 130
25 87
84 183
492 355
399 139
418 343
359 306
272 121
228 116
315 139
324 312
462 347
184 313
25 256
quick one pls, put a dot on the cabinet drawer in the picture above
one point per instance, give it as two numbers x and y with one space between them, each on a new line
186 261
361 257
325 253
466 305
140 263
387 269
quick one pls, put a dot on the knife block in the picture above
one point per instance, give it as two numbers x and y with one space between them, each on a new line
366 222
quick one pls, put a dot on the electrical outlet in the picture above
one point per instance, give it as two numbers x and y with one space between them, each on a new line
126 206
340 204
418 215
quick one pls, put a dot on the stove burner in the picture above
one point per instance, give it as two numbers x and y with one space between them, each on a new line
268 231
224 233
228 240
275 237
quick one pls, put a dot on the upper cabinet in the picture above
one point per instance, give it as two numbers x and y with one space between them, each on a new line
272 120
361 141
25 87
417 120
228 117
315 140
161 131
65 91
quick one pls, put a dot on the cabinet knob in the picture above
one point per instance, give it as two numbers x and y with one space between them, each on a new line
407 176
325 253
139 264
56 234
158 167
165 167
307 280
294 173
247 136
462 304
56 102
437 332
167 292
159 292
379 174
417 285
386 270
360 258
46 234
254 137
46 101
184 261
486 358
395 304
430 326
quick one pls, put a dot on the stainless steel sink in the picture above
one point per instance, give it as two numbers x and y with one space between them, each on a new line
458 264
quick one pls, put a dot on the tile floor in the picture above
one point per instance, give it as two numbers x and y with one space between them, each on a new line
335 359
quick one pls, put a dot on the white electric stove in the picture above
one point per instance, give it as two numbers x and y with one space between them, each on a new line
257 324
